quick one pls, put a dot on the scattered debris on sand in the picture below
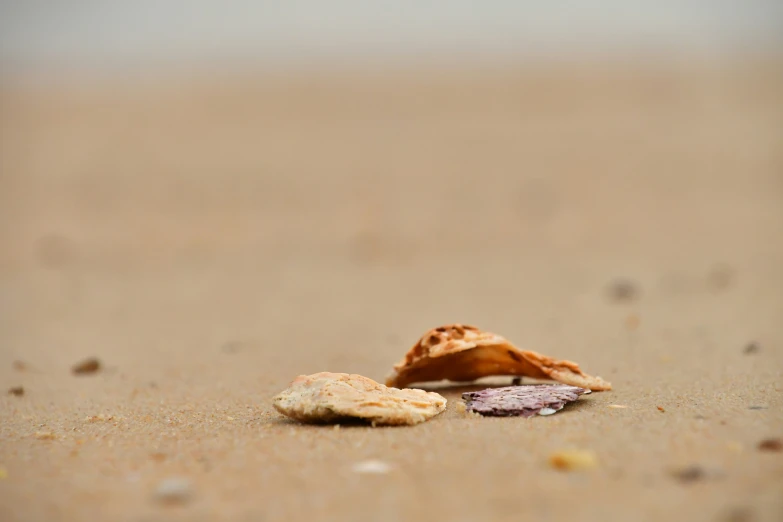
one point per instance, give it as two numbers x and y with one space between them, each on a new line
173 491
16 391
371 467
45 435
87 366
332 397
752 347
689 474
522 401
464 353
99 418
771 445
573 460
623 290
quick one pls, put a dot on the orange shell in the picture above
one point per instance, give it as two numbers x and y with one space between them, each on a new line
464 353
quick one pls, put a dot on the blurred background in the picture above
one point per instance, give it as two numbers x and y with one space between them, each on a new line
199 172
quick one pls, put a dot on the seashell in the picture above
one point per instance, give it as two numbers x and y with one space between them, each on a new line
463 353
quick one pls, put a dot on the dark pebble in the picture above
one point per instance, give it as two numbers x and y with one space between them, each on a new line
87 366
771 445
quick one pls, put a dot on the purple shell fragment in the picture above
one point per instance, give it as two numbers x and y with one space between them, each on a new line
525 401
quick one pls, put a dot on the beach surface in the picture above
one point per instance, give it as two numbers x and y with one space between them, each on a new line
210 237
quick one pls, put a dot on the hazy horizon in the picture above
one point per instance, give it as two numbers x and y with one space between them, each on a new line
108 35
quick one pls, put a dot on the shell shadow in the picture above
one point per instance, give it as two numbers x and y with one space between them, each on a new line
344 423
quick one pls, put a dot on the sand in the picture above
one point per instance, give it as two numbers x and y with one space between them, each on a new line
209 238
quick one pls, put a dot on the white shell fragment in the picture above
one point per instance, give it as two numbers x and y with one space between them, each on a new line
371 467
332 397
173 491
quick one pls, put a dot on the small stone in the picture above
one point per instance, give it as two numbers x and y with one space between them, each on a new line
771 445
573 460
623 290
45 435
373 467
661 409
16 391
87 366
173 491
751 348
617 406
689 474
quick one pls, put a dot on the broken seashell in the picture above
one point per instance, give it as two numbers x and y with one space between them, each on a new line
332 397
524 401
464 353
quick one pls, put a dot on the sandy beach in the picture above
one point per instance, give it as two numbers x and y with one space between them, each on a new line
211 237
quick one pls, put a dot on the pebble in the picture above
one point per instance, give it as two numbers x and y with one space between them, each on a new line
689 474
752 347
771 445
86 366
623 290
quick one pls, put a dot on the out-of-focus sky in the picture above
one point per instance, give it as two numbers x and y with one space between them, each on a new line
105 33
